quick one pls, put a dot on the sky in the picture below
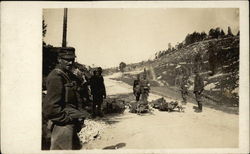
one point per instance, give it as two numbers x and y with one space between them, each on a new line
107 36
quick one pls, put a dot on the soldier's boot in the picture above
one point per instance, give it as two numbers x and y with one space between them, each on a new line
200 106
94 111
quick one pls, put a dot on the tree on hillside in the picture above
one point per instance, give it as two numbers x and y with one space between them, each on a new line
211 33
169 46
203 35
229 31
238 34
44 30
156 55
222 33
179 46
122 66
187 40
195 37
214 33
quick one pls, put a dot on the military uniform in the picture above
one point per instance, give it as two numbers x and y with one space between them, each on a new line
60 107
136 89
198 89
184 88
144 86
98 92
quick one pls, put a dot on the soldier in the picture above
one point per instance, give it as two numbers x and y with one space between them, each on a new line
212 58
60 106
98 91
145 87
198 89
136 88
184 88
83 89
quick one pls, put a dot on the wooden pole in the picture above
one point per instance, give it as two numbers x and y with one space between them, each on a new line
64 39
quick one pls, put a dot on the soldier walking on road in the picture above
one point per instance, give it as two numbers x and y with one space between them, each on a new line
136 88
98 91
198 89
60 105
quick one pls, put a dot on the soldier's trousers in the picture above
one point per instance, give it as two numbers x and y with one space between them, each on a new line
97 101
144 96
64 138
184 96
137 96
198 99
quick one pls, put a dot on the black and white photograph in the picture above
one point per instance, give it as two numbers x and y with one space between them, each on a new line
125 77
140 78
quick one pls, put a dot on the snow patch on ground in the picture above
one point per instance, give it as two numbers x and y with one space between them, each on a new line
210 86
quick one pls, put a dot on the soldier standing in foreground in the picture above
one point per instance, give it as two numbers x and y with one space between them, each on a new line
136 88
198 89
60 106
98 91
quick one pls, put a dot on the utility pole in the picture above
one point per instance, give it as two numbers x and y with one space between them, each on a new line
65 16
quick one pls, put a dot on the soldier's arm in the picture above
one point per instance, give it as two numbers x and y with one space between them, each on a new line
202 82
103 86
53 107
134 84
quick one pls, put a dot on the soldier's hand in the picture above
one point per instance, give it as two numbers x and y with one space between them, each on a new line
79 125
86 114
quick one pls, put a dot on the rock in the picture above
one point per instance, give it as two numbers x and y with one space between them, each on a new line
91 131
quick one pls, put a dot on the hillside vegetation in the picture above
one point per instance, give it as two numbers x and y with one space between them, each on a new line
216 59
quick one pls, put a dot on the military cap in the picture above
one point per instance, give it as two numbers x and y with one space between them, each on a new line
99 69
67 53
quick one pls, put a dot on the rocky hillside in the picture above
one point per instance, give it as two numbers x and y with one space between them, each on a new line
216 59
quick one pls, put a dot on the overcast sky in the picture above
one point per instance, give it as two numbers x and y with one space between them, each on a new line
105 37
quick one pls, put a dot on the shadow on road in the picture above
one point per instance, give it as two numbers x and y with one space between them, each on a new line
117 146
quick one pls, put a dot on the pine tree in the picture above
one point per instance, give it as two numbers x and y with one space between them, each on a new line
238 34
229 31
222 33
44 28
217 32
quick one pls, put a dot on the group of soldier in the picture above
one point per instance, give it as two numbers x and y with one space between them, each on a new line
69 93
141 88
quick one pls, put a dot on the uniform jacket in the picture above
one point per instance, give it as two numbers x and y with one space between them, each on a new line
97 86
198 83
60 104
136 86
184 84
144 85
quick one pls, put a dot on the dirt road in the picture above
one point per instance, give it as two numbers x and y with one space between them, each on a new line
161 130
